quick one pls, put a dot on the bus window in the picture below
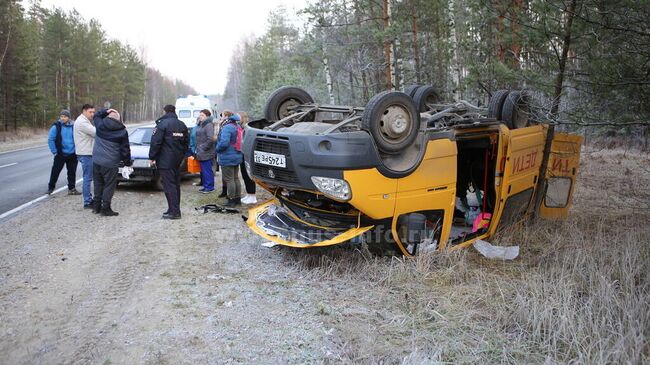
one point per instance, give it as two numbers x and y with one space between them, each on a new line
184 113
196 113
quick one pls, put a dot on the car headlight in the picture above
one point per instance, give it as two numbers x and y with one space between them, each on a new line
141 163
334 188
248 168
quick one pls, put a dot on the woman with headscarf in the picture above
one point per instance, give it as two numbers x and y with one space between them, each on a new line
205 149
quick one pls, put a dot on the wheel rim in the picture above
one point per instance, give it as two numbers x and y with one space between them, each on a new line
396 123
521 117
284 110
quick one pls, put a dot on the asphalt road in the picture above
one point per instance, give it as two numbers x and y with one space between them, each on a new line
24 176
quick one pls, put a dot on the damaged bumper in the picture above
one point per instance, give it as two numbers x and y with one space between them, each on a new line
277 224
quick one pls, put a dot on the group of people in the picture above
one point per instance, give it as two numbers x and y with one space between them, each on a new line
222 139
99 140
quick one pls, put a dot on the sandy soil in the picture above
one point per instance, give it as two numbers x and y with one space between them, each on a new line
79 288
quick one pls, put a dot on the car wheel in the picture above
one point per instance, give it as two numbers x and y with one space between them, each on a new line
392 119
281 102
424 96
495 106
515 111
410 90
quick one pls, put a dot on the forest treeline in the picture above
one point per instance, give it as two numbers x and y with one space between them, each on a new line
51 59
584 61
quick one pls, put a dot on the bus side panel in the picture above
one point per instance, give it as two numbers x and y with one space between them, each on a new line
431 187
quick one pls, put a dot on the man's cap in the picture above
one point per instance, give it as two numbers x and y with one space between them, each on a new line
65 112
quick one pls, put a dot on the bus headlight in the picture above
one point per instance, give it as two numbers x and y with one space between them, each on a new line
334 188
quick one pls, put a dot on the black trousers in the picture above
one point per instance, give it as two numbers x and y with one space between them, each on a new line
250 184
105 181
70 163
171 182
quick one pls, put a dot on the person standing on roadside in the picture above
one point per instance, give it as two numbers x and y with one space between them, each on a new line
250 197
217 129
111 147
84 139
205 150
61 142
230 157
169 143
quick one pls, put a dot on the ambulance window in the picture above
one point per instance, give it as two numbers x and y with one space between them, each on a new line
184 113
557 192
196 113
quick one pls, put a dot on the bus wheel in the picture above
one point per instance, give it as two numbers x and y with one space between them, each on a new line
392 119
515 111
495 106
282 102
425 96
411 89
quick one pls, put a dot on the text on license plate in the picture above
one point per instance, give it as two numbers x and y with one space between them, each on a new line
271 159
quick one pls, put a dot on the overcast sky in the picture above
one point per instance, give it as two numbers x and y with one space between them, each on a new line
191 40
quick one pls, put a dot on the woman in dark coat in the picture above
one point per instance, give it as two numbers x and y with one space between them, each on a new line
205 150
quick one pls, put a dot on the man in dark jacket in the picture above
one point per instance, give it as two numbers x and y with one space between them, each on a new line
169 142
111 148
61 142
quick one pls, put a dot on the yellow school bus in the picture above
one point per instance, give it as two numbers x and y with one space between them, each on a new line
406 173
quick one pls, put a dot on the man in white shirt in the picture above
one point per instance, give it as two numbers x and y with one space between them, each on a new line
84 139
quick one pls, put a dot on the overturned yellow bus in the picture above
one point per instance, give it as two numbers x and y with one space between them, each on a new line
405 174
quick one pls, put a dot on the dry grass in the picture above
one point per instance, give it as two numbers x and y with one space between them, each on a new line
23 137
579 292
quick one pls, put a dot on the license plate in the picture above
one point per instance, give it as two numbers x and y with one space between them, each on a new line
271 159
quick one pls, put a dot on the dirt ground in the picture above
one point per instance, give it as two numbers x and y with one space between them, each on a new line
135 289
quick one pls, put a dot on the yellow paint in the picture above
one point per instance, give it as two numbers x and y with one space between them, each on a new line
563 162
372 193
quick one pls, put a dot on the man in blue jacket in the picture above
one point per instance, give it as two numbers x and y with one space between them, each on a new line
230 158
61 143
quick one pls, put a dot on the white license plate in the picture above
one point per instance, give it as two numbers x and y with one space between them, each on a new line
271 159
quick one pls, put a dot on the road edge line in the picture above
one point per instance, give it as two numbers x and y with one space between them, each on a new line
23 149
32 202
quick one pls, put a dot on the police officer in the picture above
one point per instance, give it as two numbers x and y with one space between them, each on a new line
169 142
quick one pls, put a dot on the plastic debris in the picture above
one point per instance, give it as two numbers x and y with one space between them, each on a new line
496 252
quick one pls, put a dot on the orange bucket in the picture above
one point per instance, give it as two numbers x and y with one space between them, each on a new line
193 166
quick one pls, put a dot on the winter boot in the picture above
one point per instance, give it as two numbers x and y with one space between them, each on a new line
97 206
107 211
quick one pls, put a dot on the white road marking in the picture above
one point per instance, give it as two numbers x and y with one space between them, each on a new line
43 197
7 165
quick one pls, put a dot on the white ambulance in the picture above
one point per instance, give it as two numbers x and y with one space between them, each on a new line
189 107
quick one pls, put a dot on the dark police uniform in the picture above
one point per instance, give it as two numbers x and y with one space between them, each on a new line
169 142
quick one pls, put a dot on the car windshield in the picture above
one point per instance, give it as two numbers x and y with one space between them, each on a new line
184 113
141 136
